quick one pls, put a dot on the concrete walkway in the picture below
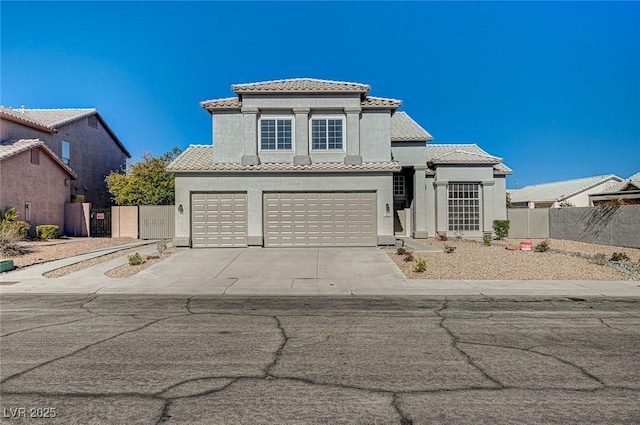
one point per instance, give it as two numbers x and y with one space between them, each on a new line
282 272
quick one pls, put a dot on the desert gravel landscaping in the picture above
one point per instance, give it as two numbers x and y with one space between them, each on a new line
566 260
127 270
41 252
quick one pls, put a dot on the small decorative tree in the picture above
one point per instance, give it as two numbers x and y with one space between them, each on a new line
501 228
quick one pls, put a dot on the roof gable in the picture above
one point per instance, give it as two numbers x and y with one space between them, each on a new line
404 128
468 153
558 191
12 148
51 120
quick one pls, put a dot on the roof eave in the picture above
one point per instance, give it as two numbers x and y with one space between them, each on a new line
28 123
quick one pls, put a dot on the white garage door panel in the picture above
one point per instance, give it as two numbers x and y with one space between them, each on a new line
320 219
219 219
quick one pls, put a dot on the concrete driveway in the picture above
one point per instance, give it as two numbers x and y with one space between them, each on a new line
251 270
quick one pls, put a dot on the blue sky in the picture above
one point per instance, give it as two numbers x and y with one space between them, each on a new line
553 88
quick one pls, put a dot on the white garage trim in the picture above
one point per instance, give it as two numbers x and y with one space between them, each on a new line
219 219
320 219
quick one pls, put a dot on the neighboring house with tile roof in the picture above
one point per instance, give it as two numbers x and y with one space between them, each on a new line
34 181
575 192
626 192
308 162
79 137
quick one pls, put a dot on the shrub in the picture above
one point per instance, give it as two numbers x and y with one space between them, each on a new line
420 265
448 249
162 247
47 231
401 251
408 256
9 239
487 240
543 246
619 256
22 227
501 228
599 259
135 259
459 235
7 216
441 236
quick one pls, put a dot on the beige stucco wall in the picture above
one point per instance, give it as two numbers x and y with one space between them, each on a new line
42 185
124 222
93 154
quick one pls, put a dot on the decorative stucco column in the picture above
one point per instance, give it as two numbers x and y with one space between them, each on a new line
420 202
487 206
250 124
353 156
301 156
442 221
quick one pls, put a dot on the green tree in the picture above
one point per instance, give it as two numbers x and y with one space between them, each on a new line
144 182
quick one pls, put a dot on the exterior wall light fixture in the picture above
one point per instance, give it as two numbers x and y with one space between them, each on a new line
180 209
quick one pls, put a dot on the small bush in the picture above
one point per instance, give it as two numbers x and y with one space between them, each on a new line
619 256
501 228
408 256
543 246
47 231
9 239
599 259
162 247
420 266
135 259
441 236
448 249
459 235
22 227
487 240
401 251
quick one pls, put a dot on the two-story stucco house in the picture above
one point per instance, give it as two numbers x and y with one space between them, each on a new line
307 162
80 138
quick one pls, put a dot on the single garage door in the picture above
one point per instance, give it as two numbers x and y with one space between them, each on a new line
320 219
219 219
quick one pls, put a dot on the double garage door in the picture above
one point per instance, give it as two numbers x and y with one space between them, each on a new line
289 219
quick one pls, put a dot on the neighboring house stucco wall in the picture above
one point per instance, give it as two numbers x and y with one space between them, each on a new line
582 199
256 184
93 154
42 185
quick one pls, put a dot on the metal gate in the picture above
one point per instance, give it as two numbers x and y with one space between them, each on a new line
156 221
100 223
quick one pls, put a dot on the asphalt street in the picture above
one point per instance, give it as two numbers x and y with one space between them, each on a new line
111 359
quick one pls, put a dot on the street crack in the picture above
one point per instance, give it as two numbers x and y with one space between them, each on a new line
455 340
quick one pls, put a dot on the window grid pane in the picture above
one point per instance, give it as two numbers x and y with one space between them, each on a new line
284 134
464 206
319 135
268 134
398 185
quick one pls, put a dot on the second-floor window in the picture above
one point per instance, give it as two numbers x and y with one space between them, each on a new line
326 134
398 185
66 152
275 134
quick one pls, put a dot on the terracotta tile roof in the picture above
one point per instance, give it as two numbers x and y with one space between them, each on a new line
558 191
200 158
51 119
404 128
296 85
10 148
628 184
458 156
464 154
226 103
235 103
380 102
